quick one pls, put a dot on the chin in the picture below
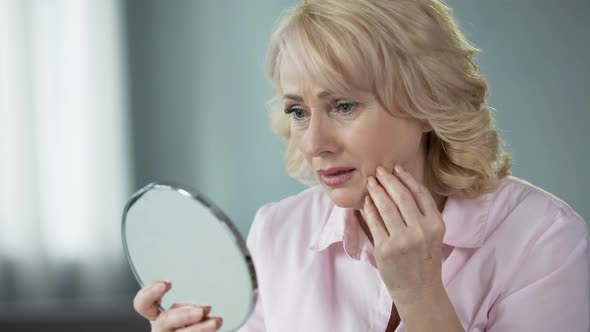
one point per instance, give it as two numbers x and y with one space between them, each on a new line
347 198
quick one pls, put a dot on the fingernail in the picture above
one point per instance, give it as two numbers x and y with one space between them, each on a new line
380 170
196 313
398 169
212 323
160 287
206 309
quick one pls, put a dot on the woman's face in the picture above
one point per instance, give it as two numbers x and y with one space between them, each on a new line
352 131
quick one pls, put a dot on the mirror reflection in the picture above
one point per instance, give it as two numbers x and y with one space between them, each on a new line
172 233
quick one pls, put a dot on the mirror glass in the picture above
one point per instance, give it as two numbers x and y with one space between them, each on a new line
176 233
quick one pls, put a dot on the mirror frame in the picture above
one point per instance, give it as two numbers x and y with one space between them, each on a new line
217 213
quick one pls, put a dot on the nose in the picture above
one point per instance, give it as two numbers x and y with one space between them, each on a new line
318 137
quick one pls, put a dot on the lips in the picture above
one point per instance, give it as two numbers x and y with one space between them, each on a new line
337 177
339 172
335 171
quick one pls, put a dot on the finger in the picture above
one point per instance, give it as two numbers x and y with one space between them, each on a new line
206 308
183 304
402 197
176 318
373 220
423 197
386 208
156 284
147 299
212 324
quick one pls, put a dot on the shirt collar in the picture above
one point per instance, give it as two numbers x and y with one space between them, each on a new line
465 223
342 225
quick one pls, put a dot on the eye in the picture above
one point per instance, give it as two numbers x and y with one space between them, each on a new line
346 107
295 112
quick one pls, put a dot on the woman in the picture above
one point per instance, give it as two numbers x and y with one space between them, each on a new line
416 224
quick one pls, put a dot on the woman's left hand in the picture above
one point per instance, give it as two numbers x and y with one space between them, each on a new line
407 231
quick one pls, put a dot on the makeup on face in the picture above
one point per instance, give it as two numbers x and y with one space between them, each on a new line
336 176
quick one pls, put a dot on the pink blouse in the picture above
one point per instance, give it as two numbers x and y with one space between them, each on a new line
517 259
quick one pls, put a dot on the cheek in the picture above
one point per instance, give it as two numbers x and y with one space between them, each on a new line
379 149
296 139
373 149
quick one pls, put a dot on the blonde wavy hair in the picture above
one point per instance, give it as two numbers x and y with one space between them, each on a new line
413 57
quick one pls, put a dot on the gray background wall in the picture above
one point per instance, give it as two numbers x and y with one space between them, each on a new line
198 95
535 56
198 115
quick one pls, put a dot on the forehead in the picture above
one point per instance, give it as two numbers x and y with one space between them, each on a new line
296 77
292 77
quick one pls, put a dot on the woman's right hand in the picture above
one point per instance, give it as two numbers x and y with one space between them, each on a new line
181 317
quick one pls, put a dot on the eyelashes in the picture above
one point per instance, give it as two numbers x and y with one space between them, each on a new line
348 105
292 111
342 107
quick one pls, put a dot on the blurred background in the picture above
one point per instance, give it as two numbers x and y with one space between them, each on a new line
100 97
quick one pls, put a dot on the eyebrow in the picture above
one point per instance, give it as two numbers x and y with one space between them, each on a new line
320 95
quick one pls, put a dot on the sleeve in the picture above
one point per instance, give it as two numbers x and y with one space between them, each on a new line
551 289
256 321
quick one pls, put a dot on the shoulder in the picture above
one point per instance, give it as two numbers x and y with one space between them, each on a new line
312 197
521 191
537 253
534 233
294 218
311 202
520 204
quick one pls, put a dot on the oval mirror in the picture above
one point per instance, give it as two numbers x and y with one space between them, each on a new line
176 233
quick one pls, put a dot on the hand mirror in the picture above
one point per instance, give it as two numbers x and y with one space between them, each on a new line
175 233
